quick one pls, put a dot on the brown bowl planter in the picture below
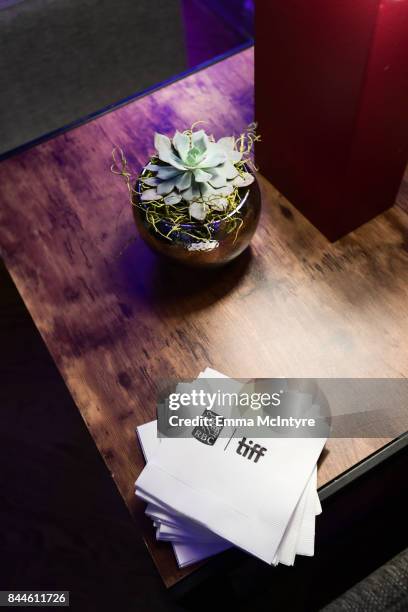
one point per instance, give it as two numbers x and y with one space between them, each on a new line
182 247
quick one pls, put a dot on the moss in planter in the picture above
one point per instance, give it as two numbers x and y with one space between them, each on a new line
169 220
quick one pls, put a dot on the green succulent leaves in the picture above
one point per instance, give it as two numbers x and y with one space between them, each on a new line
196 169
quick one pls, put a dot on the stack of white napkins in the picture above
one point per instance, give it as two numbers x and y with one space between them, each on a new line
206 499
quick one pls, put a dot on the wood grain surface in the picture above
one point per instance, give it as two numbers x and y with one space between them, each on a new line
118 321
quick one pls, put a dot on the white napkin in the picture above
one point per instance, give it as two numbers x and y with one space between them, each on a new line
149 441
187 515
306 537
243 502
189 550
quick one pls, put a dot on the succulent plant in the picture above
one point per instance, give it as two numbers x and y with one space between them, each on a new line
197 169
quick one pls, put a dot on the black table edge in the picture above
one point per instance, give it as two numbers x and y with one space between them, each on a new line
363 466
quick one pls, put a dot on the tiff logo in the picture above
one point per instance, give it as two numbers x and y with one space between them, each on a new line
250 450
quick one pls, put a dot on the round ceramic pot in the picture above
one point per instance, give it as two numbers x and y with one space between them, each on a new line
185 245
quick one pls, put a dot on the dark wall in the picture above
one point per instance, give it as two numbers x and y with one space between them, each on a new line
60 61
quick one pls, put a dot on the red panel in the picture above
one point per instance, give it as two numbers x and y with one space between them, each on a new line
331 101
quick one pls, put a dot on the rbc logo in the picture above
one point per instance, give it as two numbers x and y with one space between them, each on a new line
208 434
250 450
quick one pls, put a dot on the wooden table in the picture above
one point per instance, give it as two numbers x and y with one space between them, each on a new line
118 322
